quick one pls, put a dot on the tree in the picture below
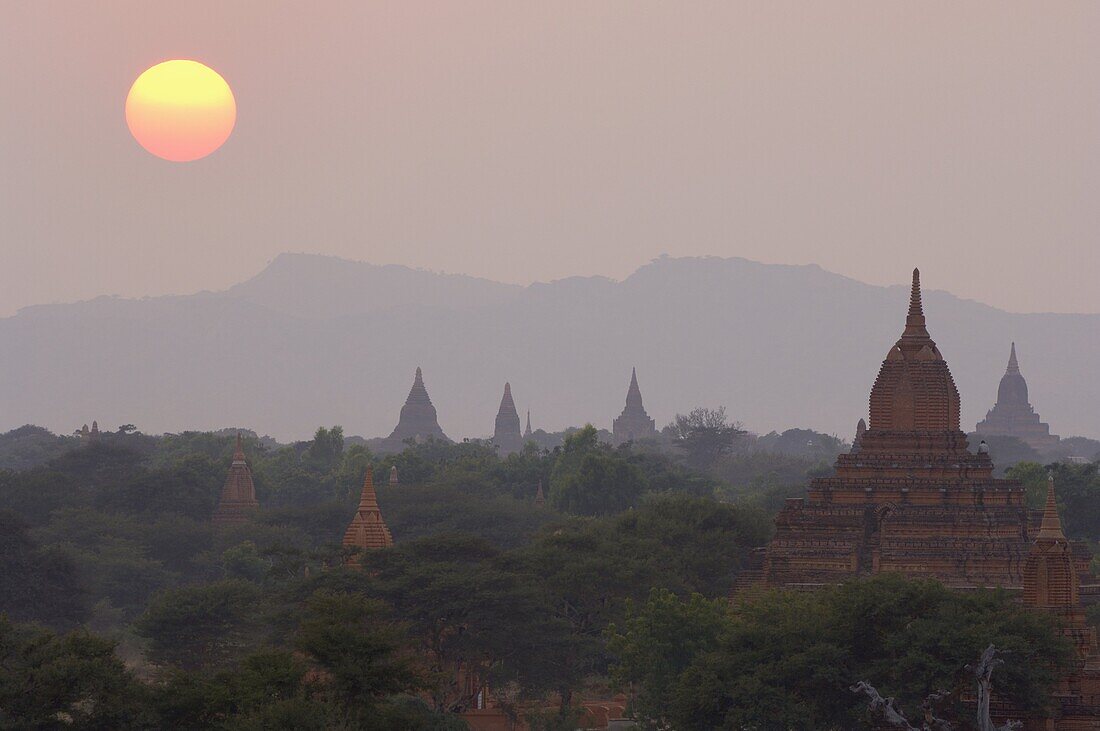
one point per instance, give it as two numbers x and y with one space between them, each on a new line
601 484
658 640
37 584
327 447
202 626
76 677
704 435
360 650
787 659
469 615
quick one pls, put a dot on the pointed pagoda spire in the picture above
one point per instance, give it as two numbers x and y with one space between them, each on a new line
238 450
506 434
367 530
633 393
527 431
540 499
393 475
1051 527
914 320
1013 364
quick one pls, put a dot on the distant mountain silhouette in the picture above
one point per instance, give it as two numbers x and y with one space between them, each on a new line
316 340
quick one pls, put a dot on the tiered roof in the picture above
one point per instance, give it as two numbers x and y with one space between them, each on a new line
368 530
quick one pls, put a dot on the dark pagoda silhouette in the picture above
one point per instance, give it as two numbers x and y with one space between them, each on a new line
634 423
418 418
506 434
910 497
1012 415
367 530
238 498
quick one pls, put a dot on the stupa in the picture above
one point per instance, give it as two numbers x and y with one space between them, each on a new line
634 423
238 498
506 434
1012 415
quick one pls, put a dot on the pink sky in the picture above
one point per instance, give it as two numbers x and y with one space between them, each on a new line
529 140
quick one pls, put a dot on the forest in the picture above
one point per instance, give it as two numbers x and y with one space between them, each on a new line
123 607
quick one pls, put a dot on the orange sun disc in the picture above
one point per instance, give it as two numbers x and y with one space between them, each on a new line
180 110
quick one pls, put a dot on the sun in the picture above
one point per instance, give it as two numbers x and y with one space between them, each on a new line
180 110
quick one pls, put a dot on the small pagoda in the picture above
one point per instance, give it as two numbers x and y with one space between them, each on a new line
506 434
238 498
1013 415
367 530
634 423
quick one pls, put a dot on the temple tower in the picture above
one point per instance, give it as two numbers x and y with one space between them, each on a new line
540 498
910 497
238 498
634 423
367 530
418 418
1051 583
393 475
1012 415
506 435
527 433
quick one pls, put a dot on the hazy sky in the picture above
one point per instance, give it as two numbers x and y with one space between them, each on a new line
534 140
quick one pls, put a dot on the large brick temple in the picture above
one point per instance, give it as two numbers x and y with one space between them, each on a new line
1013 415
910 497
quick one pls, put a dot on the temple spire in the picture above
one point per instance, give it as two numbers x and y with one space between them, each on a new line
1051 527
527 431
238 451
914 320
506 435
393 475
1013 365
540 499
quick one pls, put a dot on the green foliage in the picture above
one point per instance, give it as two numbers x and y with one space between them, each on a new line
76 677
704 435
1078 490
197 626
349 637
788 659
658 642
39 584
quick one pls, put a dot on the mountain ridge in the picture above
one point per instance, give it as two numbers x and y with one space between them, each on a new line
320 340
